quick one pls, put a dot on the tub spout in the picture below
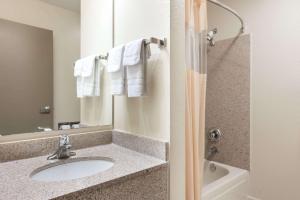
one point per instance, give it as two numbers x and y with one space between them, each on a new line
212 151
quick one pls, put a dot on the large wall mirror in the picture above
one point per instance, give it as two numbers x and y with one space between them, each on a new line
40 40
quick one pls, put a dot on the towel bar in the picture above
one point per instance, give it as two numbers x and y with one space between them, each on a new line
161 44
100 57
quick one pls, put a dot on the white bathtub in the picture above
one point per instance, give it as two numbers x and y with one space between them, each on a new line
225 182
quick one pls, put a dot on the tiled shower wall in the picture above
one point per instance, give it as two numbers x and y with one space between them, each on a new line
228 99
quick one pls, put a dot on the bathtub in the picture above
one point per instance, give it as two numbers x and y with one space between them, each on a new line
223 182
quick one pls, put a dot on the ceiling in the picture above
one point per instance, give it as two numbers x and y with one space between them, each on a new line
73 5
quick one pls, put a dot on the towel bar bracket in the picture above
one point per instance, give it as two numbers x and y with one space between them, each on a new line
159 42
102 57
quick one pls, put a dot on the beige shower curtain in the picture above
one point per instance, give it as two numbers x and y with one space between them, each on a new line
196 53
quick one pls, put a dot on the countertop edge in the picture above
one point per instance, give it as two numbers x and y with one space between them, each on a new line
120 179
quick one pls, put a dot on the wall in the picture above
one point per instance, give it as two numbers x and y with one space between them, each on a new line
275 92
177 136
65 26
228 100
149 115
97 38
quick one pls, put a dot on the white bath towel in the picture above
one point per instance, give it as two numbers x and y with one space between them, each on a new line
88 74
116 69
135 59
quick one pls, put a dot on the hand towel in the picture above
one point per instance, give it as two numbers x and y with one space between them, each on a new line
135 59
85 66
88 74
116 69
77 68
77 74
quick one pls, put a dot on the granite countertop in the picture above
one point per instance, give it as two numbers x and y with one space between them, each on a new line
16 182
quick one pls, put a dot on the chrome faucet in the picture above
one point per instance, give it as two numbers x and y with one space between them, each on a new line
63 151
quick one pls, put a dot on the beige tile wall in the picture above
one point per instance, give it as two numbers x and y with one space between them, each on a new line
228 99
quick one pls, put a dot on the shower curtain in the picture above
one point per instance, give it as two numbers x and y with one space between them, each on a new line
196 56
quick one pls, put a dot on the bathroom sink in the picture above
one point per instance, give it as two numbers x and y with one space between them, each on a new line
71 169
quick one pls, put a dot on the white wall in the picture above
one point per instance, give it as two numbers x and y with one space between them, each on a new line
96 38
149 115
66 34
275 88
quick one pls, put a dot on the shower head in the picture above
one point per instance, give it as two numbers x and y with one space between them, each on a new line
210 36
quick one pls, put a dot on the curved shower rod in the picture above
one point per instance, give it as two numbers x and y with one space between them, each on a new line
216 2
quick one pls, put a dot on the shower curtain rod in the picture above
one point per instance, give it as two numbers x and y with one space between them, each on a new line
216 2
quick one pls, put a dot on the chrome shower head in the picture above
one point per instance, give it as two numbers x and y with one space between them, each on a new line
210 36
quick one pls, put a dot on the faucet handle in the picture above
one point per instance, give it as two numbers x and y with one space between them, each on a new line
214 135
64 140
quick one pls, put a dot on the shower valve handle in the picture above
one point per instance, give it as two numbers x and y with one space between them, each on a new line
214 135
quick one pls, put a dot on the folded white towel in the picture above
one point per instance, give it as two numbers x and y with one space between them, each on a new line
97 78
85 66
79 79
132 54
77 68
88 73
116 69
135 59
114 62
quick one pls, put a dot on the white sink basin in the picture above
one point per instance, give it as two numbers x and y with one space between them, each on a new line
71 169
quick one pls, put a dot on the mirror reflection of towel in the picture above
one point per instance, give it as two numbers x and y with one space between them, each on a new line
88 73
